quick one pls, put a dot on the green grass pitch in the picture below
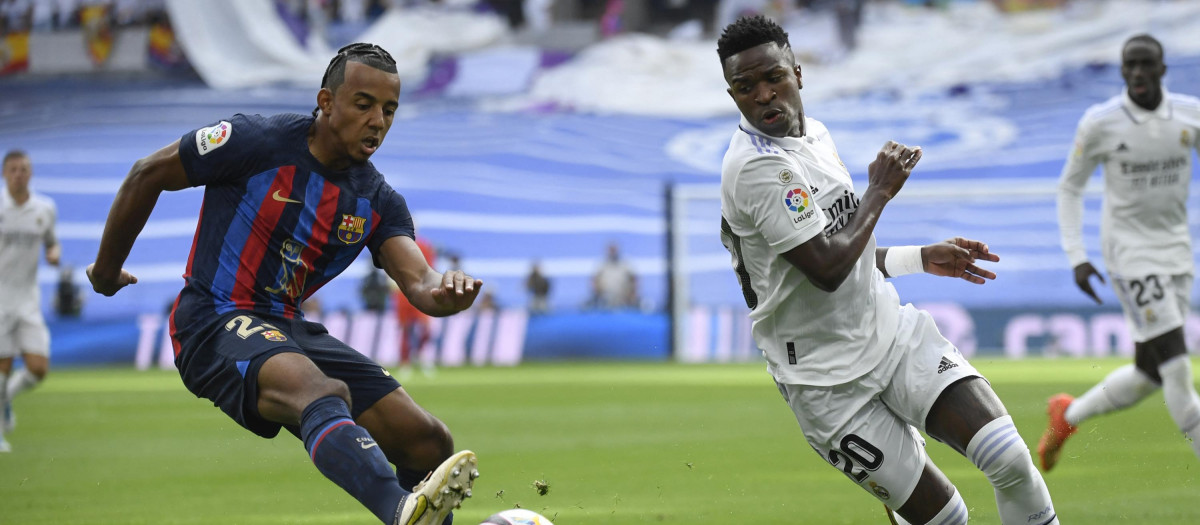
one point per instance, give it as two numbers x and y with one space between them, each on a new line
616 443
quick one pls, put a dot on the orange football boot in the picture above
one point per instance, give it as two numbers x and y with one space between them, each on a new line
1057 431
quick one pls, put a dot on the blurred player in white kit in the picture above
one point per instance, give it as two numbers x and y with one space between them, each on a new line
26 228
1144 137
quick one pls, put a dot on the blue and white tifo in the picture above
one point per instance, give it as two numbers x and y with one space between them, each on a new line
505 189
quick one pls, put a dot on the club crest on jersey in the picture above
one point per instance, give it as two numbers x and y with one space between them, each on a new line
213 137
880 491
1185 138
350 230
272 335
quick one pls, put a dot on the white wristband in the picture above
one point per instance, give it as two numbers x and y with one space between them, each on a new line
903 260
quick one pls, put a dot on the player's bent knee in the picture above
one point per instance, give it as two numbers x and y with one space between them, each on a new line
38 370
327 388
998 450
438 441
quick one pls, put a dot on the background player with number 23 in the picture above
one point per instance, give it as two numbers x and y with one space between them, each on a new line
1144 138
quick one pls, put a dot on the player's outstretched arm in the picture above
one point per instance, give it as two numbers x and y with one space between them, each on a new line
956 258
827 261
431 292
149 177
1080 165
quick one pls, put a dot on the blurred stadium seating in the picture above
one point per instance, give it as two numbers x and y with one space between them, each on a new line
510 150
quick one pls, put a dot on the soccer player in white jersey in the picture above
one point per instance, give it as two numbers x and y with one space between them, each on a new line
860 372
26 228
1144 137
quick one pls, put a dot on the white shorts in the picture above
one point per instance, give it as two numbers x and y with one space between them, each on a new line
1154 304
867 428
23 332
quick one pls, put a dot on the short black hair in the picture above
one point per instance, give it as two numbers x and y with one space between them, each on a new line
361 52
748 32
14 154
1145 39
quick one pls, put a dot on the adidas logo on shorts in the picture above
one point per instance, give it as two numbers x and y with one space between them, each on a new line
945 365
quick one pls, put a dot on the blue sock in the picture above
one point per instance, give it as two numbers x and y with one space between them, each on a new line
347 455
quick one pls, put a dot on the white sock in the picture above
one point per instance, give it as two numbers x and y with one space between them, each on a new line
1021 494
19 382
1182 401
1121 389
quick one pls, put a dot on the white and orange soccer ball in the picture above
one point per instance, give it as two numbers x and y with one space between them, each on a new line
516 517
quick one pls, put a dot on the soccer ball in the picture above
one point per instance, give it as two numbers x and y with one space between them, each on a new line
516 517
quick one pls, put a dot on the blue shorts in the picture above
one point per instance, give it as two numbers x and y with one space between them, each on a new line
221 364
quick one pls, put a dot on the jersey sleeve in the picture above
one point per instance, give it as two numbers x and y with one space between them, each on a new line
224 151
394 220
1080 164
49 238
778 199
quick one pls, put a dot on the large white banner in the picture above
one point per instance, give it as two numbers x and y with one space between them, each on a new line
244 43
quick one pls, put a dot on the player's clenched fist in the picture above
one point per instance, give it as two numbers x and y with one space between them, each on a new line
891 167
458 290
109 285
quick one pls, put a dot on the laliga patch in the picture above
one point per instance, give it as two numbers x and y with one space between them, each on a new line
799 204
211 138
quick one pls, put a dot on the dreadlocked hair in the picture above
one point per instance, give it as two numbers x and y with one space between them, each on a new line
1145 39
363 53
748 32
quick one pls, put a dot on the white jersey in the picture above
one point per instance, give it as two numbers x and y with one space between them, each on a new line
25 231
1147 158
776 194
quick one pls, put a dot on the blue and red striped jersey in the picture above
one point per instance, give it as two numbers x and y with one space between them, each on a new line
275 224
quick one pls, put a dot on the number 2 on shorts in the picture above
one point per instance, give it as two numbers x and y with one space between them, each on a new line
855 451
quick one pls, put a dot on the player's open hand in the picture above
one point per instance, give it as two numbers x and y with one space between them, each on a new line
892 166
1083 279
957 257
109 285
457 292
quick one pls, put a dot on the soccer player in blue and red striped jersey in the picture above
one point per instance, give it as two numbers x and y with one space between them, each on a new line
289 202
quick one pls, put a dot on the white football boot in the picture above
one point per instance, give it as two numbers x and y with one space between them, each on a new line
442 491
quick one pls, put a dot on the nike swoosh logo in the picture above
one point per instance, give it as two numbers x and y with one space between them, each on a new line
368 445
281 198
